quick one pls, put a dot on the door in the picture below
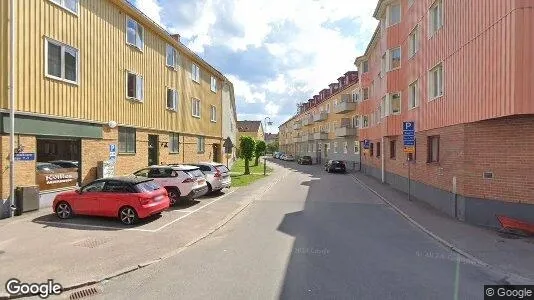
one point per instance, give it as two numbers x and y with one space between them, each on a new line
153 151
216 152
115 195
88 201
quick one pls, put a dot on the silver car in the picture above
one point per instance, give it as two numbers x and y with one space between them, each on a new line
217 175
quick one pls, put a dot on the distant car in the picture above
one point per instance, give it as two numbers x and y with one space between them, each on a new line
217 175
335 166
45 167
67 164
182 182
282 157
126 198
305 160
289 157
275 154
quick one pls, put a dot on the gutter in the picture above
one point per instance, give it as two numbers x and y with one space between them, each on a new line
12 108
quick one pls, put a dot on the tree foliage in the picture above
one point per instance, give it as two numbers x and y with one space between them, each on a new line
246 151
259 150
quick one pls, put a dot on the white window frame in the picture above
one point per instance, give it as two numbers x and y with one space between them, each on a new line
355 96
174 99
335 147
390 59
195 72
173 135
368 93
355 120
213 84
345 147
364 123
410 3
383 107
431 94
174 64
365 62
413 42
138 79
63 47
438 5
195 107
390 96
201 144
61 3
213 113
388 14
413 99
142 38
383 65
356 147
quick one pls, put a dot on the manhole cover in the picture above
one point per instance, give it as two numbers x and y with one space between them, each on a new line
83 293
91 242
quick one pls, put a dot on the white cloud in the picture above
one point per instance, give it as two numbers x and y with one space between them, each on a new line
245 91
151 8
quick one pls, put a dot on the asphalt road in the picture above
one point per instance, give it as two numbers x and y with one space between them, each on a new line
315 236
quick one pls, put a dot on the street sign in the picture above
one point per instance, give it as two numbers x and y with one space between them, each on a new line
366 144
25 156
112 151
408 132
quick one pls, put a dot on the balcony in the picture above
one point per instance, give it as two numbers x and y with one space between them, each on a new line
320 116
346 131
345 106
307 121
320 136
305 138
297 126
297 139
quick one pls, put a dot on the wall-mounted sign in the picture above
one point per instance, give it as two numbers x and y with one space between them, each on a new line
112 151
59 178
108 168
408 132
25 156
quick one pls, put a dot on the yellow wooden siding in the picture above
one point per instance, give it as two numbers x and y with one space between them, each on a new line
99 34
4 44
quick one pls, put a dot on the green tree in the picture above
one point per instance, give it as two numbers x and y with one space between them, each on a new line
259 151
272 147
246 149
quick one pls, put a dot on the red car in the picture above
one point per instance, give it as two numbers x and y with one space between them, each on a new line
128 198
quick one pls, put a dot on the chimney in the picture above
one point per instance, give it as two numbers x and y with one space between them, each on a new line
176 36
316 97
341 81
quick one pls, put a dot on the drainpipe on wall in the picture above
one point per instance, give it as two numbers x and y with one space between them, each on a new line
12 110
382 154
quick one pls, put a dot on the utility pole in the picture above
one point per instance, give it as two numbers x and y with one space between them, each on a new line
12 95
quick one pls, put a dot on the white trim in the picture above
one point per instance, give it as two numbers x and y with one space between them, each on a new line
193 105
431 97
388 8
140 48
174 100
414 33
196 76
432 31
213 84
175 57
138 98
213 113
389 57
417 96
63 6
62 61
390 96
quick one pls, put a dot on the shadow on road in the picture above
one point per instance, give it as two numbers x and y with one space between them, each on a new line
90 222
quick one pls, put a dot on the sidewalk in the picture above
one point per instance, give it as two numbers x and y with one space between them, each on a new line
508 253
83 250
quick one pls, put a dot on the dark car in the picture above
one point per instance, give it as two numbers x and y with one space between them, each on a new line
67 164
335 166
305 160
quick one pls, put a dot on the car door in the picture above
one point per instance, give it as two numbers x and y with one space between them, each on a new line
87 202
115 195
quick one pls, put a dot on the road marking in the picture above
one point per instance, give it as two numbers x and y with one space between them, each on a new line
194 211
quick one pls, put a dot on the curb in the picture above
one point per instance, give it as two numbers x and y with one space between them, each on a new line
510 278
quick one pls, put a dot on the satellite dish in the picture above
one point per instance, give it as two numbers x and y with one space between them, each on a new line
112 124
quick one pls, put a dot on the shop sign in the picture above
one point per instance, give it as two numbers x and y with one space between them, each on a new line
25 156
60 178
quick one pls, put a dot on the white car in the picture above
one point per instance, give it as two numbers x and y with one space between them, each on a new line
217 175
180 181
283 157
289 157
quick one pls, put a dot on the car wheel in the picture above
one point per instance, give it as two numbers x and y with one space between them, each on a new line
174 195
127 215
209 188
63 210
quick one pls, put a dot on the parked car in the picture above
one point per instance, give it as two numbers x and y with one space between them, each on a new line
127 198
44 167
275 154
182 182
289 157
217 175
67 164
305 160
335 166
282 157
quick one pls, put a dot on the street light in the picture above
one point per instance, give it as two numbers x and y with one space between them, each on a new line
267 122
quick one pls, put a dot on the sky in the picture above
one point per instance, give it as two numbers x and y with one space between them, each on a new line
277 53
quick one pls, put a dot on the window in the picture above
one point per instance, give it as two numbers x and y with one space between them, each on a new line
70 5
365 93
61 61
383 65
433 148
201 144
371 149
354 96
395 101
134 34
346 147
213 114
126 140
383 107
392 149
213 84
356 147
394 14
195 104
172 57
378 149
365 66
413 42
134 88
410 3
435 17
413 98
327 147
335 147
355 121
195 73
394 58
172 97
117 187
435 82
94 187
365 121
174 141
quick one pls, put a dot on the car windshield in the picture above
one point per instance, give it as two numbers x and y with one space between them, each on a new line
222 169
147 186
195 173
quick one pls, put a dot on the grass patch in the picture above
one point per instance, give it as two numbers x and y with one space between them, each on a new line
239 167
243 180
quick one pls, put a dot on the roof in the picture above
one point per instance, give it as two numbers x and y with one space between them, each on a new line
269 136
209 163
248 126
177 167
127 179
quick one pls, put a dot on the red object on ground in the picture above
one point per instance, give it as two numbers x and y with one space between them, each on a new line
509 223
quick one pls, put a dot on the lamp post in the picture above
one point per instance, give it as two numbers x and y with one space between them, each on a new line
267 123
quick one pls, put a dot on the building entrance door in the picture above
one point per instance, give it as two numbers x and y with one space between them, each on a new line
153 150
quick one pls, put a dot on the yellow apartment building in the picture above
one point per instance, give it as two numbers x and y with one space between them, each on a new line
98 81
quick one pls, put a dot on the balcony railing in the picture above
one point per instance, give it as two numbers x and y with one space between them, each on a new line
320 136
297 139
307 121
320 116
297 126
305 138
344 107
